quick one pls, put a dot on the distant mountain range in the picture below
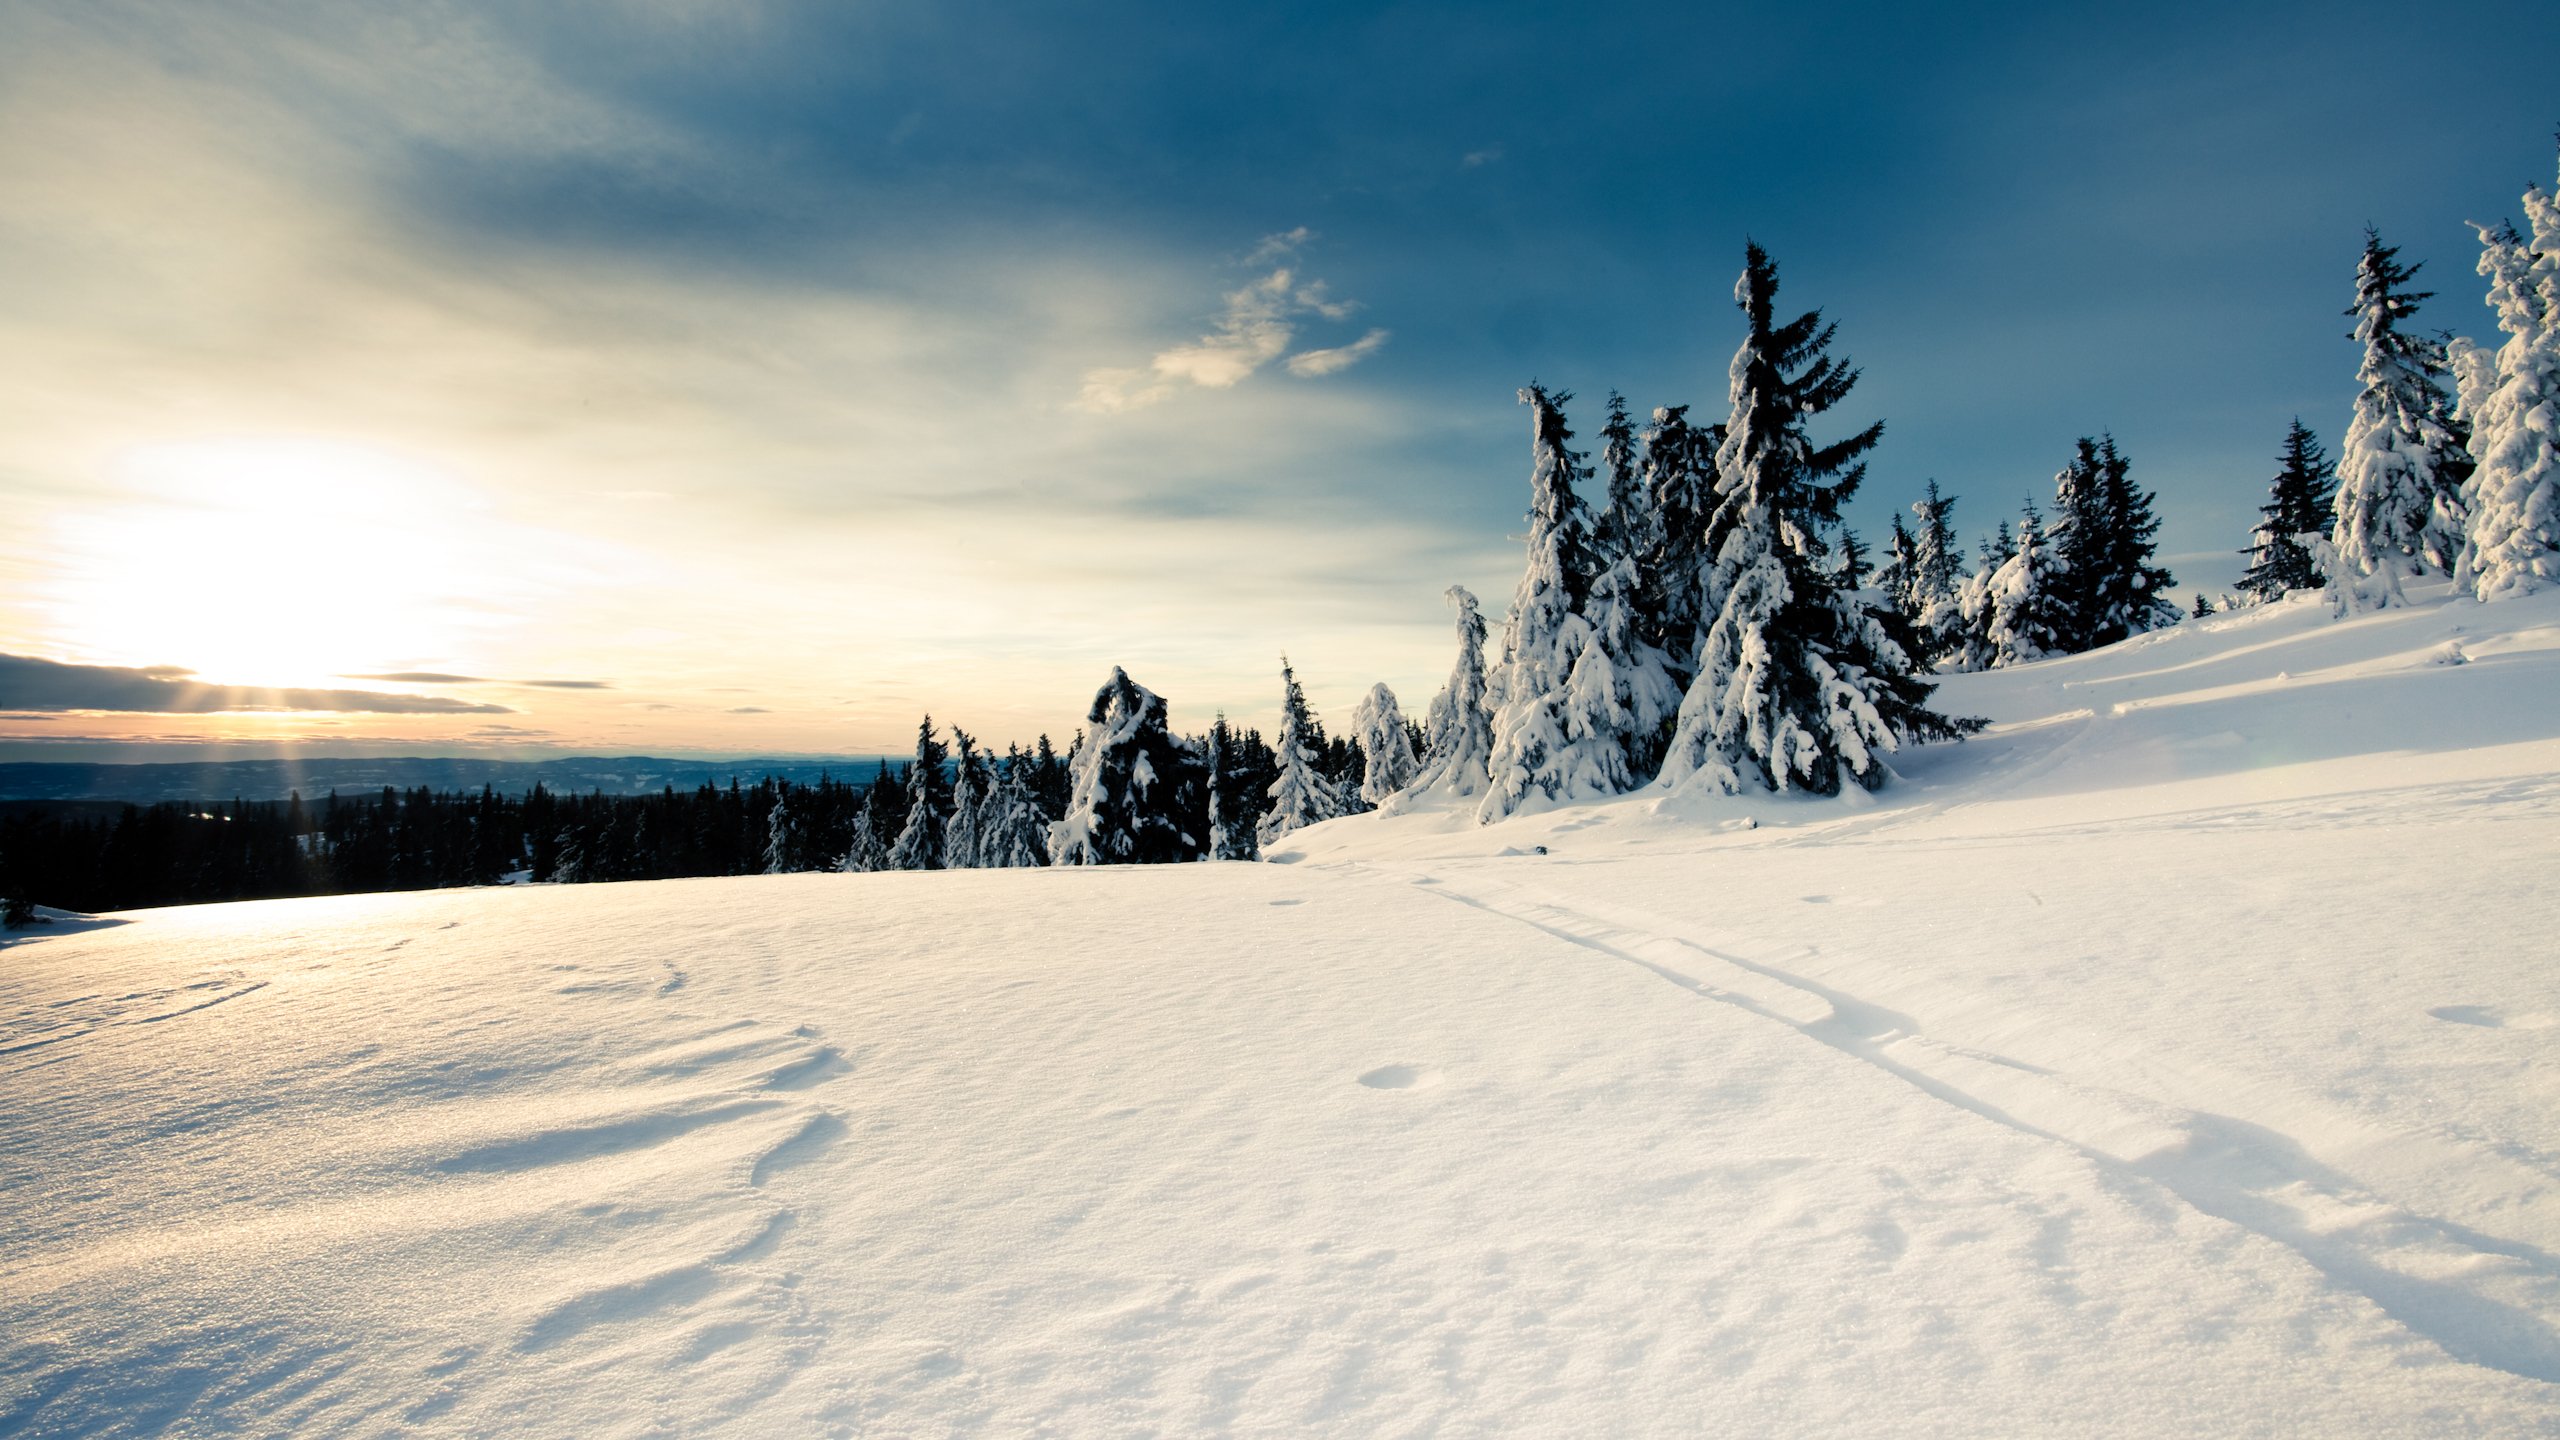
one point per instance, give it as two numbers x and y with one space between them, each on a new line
318 775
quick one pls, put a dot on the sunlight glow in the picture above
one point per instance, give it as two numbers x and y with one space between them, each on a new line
268 562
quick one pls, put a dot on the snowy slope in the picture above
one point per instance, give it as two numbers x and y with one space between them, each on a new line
2177 1059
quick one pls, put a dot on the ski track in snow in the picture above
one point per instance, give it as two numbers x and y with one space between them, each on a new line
2483 1299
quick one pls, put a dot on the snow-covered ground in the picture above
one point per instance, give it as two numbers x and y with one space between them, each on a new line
2181 1058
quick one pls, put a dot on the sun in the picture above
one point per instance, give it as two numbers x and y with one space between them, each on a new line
266 562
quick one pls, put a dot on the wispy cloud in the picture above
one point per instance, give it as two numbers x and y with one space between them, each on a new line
1257 326
1312 363
1280 246
748 710
438 677
27 683
1478 159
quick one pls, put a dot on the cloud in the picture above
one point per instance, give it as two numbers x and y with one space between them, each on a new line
1256 327
27 683
1280 246
749 710
438 677
1478 159
1312 363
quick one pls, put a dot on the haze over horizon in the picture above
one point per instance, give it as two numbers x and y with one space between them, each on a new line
681 378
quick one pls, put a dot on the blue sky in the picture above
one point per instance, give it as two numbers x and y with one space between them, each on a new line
783 370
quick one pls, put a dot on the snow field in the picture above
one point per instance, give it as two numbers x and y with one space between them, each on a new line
2177 1059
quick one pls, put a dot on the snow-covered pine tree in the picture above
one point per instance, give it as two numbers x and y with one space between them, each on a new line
2025 602
1627 525
1799 686
1377 723
1853 563
2512 403
919 845
1458 721
1937 571
1894 574
782 835
1132 787
1679 473
866 853
2398 505
2132 591
1575 701
1016 833
964 837
2298 508
2102 540
1231 830
1300 796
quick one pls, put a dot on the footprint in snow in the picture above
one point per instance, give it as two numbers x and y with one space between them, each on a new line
2489 1018
1400 1077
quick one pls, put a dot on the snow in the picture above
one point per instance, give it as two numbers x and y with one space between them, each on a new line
2177 1058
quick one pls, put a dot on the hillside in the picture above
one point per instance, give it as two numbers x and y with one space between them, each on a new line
2181 1057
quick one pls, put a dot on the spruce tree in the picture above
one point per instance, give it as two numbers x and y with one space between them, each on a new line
1937 572
1799 687
1854 567
2511 400
1679 474
782 837
919 844
2398 505
866 853
1895 576
2025 603
1300 794
963 838
2298 508
1231 820
2202 606
1627 526
1378 724
1567 711
2132 593
1459 721
1016 834
1133 789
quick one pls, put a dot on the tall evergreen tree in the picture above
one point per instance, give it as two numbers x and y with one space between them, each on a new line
1133 789
1232 821
919 845
963 838
2131 591
1300 794
1378 724
1679 473
1799 687
2299 505
1016 833
2026 606
2511 400
1459 721
1627 526
782 836
1896 575
1937 572
2398 506
1561 727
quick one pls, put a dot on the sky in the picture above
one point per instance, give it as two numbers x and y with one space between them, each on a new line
750 379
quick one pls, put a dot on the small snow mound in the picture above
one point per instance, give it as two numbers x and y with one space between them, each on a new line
1400 1077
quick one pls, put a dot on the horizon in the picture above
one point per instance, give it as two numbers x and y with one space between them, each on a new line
750 383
